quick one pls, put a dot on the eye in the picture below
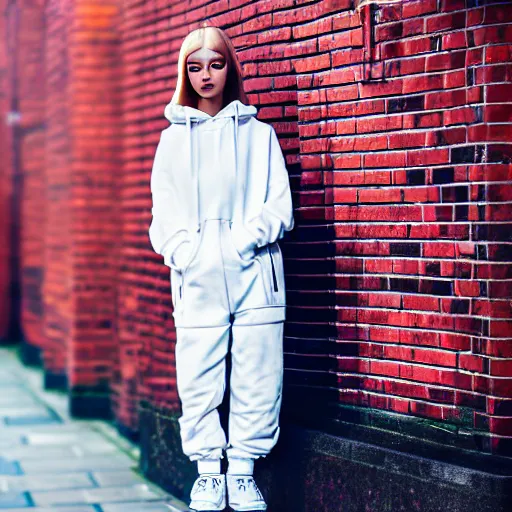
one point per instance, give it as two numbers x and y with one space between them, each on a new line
193 69
219 65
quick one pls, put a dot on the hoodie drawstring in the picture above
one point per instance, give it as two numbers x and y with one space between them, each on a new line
193 168
239 178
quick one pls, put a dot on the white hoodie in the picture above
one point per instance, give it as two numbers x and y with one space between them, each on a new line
239 148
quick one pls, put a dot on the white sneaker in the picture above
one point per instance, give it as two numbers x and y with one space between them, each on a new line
209 492
243 493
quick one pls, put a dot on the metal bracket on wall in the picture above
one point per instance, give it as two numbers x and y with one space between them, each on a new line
372 66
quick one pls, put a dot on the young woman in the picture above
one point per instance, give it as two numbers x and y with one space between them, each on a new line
221 200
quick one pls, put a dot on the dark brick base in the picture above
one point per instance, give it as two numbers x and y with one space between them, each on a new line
29 354
317 472
128 433
90 404
55 381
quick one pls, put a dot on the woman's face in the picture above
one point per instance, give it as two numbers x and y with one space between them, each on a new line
207 71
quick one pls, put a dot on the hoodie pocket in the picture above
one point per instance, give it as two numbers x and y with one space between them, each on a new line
198 239
234 250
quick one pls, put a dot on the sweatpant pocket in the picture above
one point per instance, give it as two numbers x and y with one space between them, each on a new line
271 262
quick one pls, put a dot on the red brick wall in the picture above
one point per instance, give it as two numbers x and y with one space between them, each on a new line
22 169
31 202
412 173
96 149
83 154
5 181
57 288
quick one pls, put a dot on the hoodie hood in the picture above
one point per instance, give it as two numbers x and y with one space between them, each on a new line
183 114
180 113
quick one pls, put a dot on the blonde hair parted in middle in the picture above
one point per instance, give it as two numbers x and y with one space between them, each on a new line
215 39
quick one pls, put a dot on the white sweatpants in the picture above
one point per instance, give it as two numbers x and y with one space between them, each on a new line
218 292
256 389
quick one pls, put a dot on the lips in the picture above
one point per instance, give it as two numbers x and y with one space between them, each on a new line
206 87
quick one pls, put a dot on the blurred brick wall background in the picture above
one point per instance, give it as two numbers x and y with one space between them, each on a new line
395 122
6 180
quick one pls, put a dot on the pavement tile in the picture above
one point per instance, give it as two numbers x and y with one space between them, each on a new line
59 428
116 478
21 412
60 438
21 400
7 376
139 492
46 482
137 507
10 440
9 467
14 500
113 461
29 420
27 452
55 509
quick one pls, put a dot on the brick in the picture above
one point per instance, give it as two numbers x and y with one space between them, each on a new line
446 22
467 288
370 90
345 195
413 9
422 83
370 143
427 157
498 93
407 140
385 160
423 120
344 93
439 250
497 114
379 196
498 54
379 124
453 41
445 99
408 66
463 115
421 302
445 61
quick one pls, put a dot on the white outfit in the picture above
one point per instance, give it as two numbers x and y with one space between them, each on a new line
221 200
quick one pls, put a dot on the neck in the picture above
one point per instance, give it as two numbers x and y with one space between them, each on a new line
210 105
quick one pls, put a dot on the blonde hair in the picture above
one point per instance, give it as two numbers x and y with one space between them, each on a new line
215 39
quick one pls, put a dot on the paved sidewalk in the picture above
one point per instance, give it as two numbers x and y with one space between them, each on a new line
52 463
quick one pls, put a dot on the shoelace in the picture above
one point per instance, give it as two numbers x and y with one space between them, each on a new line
250 480
201 484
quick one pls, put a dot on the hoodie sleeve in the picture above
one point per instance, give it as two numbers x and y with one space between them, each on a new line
168 234
276 216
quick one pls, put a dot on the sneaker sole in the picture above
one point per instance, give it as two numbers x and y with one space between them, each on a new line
221 508
246 509
208 510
